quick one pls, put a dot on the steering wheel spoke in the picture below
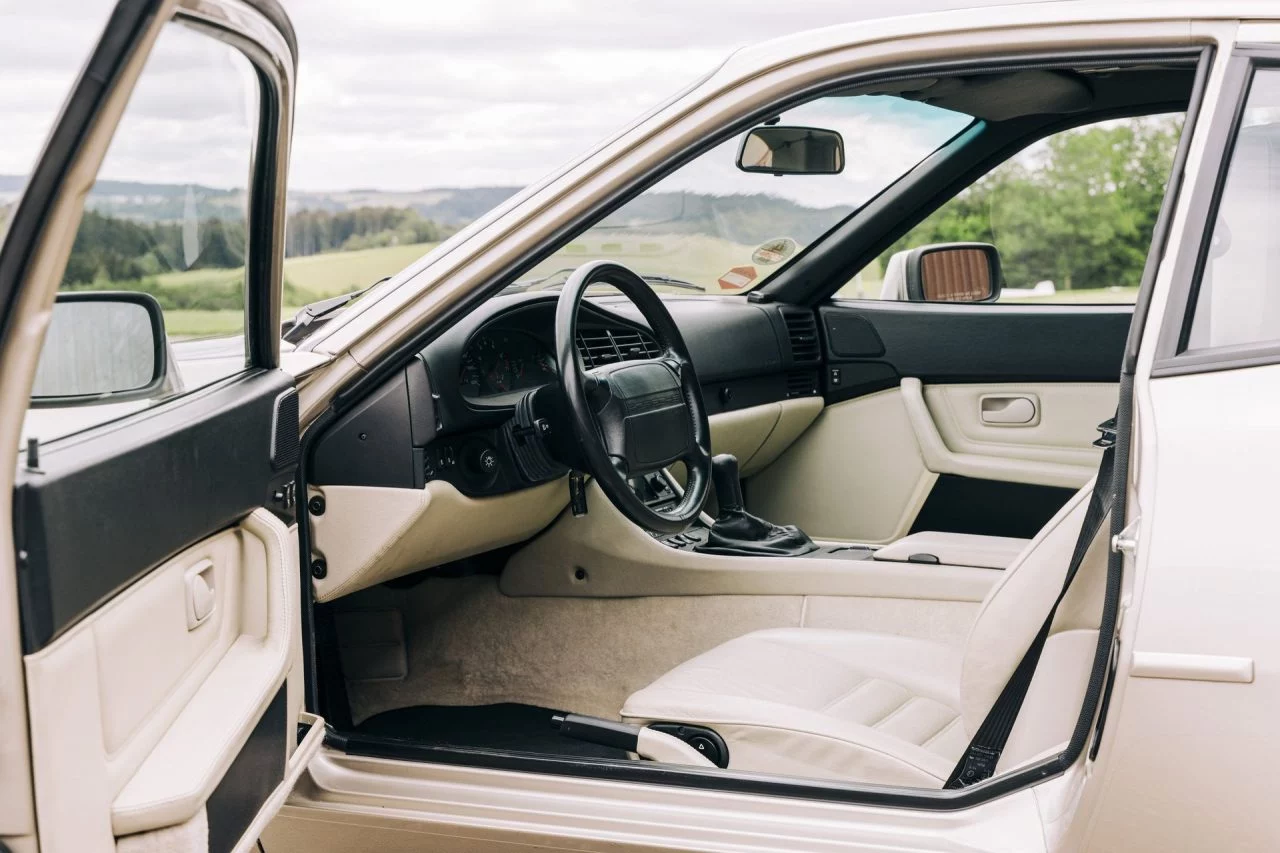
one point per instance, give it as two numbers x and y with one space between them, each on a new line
637 416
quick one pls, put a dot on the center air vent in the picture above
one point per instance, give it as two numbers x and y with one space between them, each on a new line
608 346
802 329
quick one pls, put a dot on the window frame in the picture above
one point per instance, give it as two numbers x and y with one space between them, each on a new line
1171 356
265 212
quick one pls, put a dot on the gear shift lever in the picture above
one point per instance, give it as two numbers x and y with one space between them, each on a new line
738 532
724 476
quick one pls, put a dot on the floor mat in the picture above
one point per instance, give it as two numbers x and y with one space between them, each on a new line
510 727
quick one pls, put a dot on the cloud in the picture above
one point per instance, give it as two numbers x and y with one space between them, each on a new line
404 94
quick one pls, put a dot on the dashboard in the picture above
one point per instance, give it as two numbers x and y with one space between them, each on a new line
449 415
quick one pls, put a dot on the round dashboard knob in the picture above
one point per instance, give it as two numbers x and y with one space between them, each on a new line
480 464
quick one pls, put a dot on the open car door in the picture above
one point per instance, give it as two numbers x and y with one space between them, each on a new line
155 557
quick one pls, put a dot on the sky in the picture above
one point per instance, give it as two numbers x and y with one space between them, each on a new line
413 94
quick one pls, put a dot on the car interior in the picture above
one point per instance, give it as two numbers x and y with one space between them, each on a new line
779 533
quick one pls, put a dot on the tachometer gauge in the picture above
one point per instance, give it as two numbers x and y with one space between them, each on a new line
499 374
498 366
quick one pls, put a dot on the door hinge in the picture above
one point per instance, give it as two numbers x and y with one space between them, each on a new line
1126 541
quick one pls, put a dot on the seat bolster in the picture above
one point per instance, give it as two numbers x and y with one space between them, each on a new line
856 706
789 740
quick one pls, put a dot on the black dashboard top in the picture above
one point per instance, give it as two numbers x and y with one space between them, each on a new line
444 417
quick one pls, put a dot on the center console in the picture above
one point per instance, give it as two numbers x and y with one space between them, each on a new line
658 491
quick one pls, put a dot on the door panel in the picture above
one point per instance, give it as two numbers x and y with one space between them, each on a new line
106 506
856 474
970 418
137 715
939 343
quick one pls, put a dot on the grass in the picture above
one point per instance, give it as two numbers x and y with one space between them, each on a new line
202 324
333 273
318 276
696 258
313 277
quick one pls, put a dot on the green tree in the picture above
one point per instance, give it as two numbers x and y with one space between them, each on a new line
1079 211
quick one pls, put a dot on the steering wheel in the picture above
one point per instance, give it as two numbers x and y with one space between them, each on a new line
635 417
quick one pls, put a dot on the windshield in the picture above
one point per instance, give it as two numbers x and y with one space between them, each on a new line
711 228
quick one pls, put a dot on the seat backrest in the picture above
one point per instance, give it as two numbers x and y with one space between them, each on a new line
1016 607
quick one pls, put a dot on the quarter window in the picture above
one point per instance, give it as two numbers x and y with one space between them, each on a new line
1238 302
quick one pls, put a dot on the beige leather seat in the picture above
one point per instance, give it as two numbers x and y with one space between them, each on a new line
893 710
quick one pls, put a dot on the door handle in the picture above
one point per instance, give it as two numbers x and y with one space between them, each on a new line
200 593
1009 409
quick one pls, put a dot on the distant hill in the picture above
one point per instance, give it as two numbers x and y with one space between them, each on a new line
735 217
445 205
166 202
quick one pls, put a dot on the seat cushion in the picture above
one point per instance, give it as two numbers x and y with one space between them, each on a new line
856 706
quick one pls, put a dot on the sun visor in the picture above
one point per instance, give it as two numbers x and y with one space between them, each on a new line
995 97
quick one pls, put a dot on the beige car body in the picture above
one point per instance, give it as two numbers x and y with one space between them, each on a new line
1174 771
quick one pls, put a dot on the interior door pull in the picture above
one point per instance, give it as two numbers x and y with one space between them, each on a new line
200 594
1005 410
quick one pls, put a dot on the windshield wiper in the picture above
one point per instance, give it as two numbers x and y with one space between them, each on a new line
678 283
313 315
531 283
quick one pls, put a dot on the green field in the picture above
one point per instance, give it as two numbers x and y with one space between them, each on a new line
311 278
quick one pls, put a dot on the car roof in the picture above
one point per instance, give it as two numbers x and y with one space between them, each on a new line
951 17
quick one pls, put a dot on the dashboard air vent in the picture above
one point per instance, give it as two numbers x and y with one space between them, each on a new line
802 329
802 383
608 346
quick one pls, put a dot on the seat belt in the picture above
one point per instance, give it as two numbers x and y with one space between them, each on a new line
983 753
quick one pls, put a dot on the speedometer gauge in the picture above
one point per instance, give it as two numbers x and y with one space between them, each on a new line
498 366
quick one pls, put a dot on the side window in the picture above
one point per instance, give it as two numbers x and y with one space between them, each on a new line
1238 302
164 223
1071 216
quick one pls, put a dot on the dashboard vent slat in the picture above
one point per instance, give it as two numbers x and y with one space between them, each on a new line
599 346
802 383
802 330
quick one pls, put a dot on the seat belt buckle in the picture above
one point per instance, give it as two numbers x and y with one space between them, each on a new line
979 764
1108 437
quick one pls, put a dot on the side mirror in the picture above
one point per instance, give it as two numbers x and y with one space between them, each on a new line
944 272
101 347
780 150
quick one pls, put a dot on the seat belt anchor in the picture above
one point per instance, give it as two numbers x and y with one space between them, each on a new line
1108 437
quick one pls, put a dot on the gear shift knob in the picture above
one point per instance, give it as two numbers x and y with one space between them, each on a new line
724 476
738 532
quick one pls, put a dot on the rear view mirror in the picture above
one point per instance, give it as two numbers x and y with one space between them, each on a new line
101 347
779 150
951 272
